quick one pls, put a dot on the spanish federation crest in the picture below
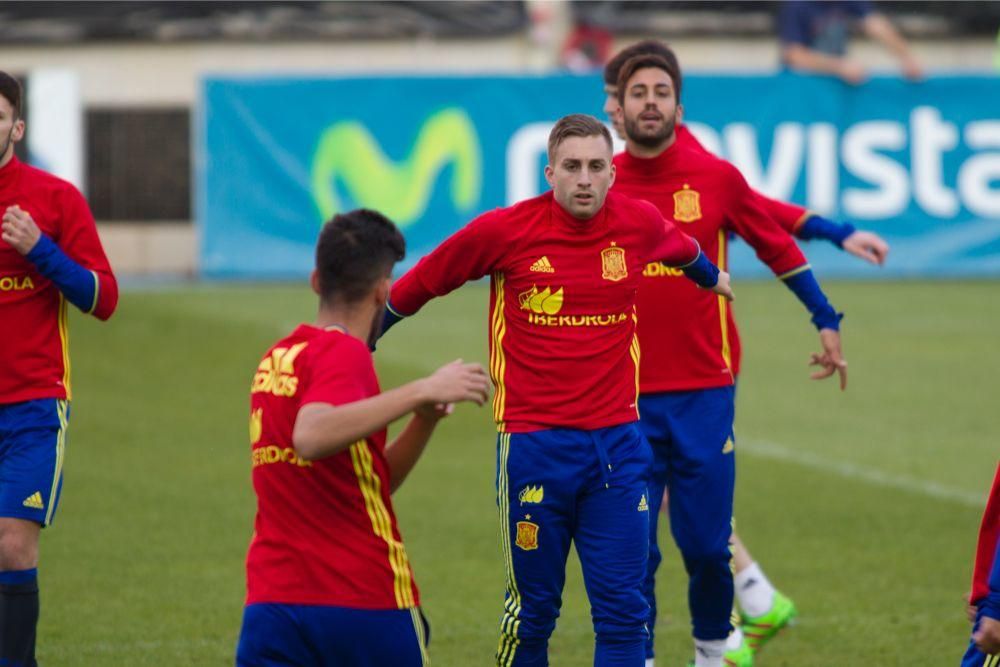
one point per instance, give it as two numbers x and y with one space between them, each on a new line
613 266
527 535
687 205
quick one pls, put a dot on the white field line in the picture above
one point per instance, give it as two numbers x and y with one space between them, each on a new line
769 450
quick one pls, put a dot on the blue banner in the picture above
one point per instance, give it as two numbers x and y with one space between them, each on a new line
918 163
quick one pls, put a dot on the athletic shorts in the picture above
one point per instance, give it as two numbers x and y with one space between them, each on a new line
283 635
32 446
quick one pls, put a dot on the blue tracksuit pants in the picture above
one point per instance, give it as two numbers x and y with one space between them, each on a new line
691 435
560 486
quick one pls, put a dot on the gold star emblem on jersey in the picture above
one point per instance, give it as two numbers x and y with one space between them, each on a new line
687 205
613 266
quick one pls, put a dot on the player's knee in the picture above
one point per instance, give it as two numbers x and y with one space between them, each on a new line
18 545
699 554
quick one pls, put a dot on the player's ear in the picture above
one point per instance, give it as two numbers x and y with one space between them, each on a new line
382 291
18 132
679 114
549 175
613 172
314 281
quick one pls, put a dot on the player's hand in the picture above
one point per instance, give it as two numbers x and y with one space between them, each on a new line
912 69
987 635
723 287
868 246
19 230
456 382
831 360
852 72
970 609
435 411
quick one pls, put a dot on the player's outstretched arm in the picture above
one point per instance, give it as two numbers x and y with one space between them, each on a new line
468 254
861 243
322 429
92 290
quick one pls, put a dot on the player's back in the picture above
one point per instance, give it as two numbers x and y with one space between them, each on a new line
325 532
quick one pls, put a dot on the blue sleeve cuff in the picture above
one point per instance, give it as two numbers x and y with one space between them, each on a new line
990 605
818 227
803 283
389 318
702 271
79 285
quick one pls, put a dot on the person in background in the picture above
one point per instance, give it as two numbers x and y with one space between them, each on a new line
814 38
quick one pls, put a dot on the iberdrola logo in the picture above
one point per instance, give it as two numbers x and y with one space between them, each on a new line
348 154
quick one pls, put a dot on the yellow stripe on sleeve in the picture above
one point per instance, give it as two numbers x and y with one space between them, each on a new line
97 292
794 272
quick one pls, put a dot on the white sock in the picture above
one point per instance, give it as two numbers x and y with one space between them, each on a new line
709 653
649 662
735 639
753 591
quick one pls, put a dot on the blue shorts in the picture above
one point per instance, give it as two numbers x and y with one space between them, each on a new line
32 446
296 635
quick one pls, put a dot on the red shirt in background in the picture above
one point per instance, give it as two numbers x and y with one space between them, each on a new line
688 335
34 338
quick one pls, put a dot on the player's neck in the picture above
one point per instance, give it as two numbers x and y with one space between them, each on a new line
355 320
649 152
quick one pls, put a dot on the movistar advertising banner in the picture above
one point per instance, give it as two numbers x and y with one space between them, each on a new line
918 163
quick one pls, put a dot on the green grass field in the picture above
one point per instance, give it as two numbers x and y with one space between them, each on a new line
862 506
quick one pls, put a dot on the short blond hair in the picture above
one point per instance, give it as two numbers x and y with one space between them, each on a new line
576 125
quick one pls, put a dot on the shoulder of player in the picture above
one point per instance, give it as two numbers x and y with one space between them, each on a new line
40 179
627 206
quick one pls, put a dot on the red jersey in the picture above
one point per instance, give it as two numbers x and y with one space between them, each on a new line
687 334
986 550
563 351
325 532
789 216
34 340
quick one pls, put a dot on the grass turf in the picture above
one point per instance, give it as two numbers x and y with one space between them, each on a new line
862 506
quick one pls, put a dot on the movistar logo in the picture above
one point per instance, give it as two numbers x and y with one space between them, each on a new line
348 154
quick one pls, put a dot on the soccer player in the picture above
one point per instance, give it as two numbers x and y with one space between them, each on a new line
328 579
50 255
984 647
764 610
687 374
571 463
803 223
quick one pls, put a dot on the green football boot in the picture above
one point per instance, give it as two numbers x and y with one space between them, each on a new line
739 657
759 630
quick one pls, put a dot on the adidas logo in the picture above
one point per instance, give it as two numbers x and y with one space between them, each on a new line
34 501
543 265
643 505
